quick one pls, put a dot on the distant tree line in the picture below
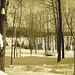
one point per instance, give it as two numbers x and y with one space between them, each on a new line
21 32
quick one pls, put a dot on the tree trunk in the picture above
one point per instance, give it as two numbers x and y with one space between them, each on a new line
3 24
35 45
59 32
59 45
45 41
50 43
55 13
62 45
47 32
20 22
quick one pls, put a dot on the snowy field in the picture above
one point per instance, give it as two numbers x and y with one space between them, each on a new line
38 64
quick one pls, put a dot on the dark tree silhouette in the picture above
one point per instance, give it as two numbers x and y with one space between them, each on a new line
3 24
60 39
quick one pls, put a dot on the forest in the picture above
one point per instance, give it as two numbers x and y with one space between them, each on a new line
37 27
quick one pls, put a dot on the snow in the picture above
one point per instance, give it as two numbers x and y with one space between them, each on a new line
2 73
38 70
38 64
1 41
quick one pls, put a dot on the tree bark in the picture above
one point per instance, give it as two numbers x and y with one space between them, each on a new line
62 45
59 32
3 24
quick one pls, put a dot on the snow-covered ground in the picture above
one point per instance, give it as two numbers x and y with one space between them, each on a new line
38 64
62 69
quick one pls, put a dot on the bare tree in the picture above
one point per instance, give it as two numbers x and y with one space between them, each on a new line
60 40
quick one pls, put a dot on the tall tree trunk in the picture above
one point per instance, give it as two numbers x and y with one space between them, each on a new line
35 37
59 32
31 26
15 45
2 51
45 41
3 24
35 44
47 32
14 30
62 45
55 13
40 35
59 45
20 22
50 42
12 37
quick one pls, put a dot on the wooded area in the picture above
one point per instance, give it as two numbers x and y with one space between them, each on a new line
39 21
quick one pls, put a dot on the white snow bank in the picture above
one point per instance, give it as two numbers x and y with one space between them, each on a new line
2 73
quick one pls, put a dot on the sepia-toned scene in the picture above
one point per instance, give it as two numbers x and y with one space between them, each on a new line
37 37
